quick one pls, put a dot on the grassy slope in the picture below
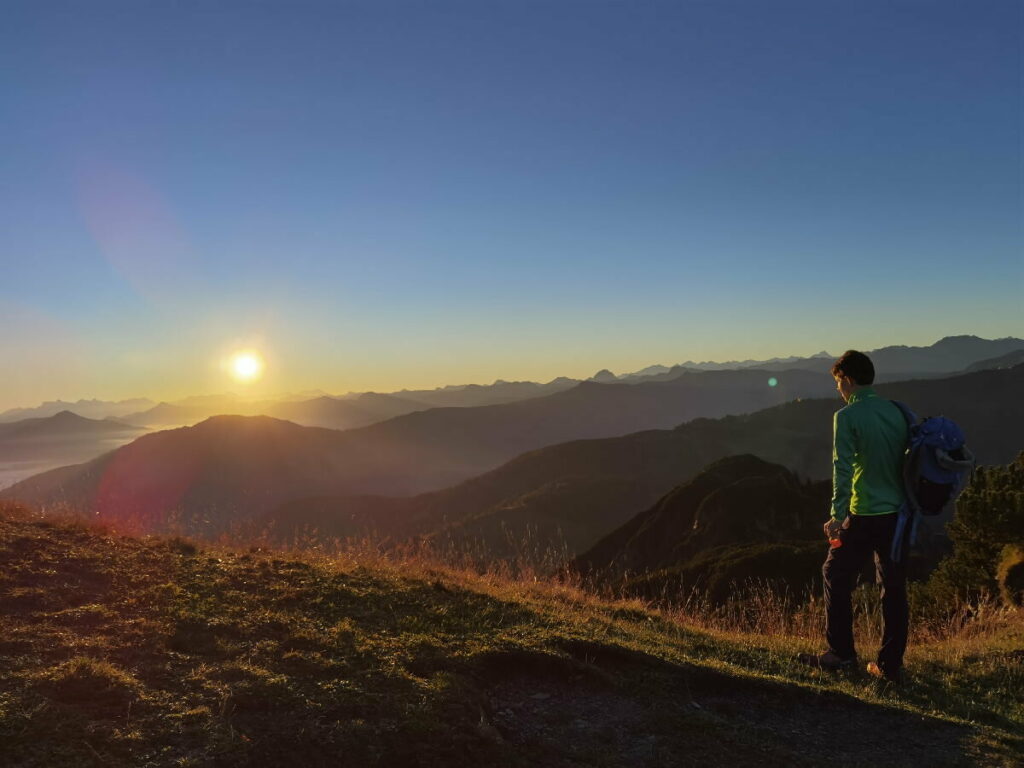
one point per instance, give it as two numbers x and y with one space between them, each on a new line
120 651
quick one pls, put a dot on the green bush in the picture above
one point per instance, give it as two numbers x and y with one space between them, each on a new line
1010 575
989 519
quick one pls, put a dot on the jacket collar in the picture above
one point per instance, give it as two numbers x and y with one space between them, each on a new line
862 394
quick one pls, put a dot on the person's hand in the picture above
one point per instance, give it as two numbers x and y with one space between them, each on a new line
832 528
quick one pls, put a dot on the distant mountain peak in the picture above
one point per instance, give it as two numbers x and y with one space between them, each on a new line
947 341
604 375
66 415
652 370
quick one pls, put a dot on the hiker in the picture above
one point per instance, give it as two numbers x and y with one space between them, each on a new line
869 441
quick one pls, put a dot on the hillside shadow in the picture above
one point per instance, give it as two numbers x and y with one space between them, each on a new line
607 705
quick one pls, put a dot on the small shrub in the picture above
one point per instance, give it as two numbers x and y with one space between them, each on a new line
84 680
1010 575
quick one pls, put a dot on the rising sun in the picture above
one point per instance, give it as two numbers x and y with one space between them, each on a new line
246 366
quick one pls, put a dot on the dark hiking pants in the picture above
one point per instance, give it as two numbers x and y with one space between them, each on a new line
861 536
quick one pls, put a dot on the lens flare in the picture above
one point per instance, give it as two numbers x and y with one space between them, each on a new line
773 382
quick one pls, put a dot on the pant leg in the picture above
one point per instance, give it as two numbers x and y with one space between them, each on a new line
895 610
840 572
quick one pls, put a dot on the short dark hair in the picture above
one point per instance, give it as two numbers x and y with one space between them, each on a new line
856 365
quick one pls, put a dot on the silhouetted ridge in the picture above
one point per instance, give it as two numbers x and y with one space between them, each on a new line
1009 360
736 500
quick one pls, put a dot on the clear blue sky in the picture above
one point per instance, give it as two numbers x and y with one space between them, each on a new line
384 194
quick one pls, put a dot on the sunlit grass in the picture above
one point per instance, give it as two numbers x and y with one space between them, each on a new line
167 652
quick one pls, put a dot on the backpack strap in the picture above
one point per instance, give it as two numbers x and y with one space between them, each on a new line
909 415
906 521
913 458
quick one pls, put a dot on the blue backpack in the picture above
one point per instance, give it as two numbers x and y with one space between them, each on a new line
938 463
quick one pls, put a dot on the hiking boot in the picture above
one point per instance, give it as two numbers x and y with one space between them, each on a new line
828 661
890 677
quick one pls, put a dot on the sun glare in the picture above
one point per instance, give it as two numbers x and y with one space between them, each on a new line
246 366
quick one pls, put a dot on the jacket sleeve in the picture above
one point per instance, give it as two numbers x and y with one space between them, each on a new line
842 465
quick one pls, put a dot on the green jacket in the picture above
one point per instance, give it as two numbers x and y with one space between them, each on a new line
870 440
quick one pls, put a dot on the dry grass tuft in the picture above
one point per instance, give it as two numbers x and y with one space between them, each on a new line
85 680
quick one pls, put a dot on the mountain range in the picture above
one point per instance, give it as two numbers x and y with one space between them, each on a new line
321 411
568 496
90 409
234 470
408 454
947 356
